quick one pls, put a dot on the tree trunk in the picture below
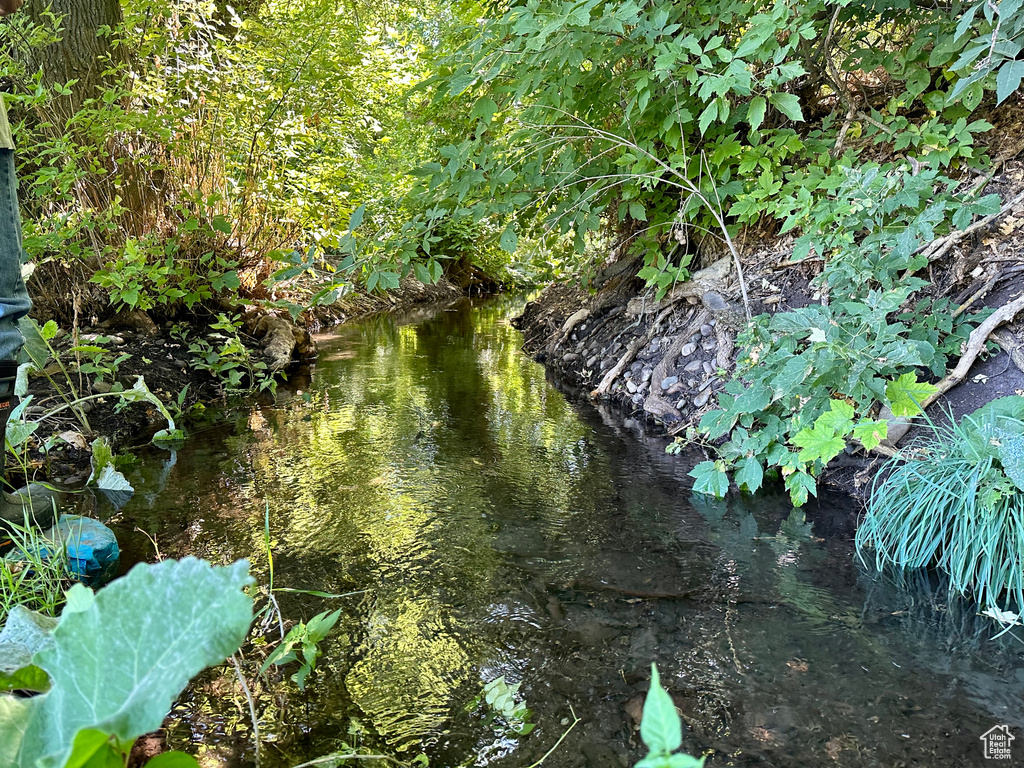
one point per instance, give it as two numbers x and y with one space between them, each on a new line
83 53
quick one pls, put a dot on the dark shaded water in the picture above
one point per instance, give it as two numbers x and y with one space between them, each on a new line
493 528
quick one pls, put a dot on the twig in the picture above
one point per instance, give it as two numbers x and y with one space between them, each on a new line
898 428
683 181
336 756
881 126
794 262
975 345
837 150
978 294
575 722
939 247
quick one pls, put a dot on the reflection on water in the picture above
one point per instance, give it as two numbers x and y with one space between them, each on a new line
492 527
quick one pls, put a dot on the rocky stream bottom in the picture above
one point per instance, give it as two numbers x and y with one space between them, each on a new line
476 522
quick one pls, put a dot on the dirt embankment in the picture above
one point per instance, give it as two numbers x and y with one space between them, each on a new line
664 361
165 354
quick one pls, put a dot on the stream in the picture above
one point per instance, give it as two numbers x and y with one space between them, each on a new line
490 525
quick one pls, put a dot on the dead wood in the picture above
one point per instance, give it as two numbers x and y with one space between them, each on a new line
656 404
1011 346
898 428
630 354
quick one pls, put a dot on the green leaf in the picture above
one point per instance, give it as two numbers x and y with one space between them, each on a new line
321 624
93 749
717 423
102 457
171 620
484 110
755 112
871 433
708 116
24 634
817 443
1008 80
509 240
838 420
222 225
15 714
637 211
906 394
660 727
35 349
679 760
357 218
749 474
800 485
711 478
787 104
1011 456
917 79
792 374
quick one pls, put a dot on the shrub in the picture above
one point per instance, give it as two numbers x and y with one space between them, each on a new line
956 500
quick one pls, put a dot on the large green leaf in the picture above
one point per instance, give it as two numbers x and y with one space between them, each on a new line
119 658
14 718
1011 456
24 634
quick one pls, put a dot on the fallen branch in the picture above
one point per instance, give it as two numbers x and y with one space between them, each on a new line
939 247
975 344
574 319
989 284
630 354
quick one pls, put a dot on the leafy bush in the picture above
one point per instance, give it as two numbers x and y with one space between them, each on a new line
955 500
148 275
810 378
231 363
171 620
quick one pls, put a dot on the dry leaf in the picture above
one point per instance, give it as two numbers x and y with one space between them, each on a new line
76 439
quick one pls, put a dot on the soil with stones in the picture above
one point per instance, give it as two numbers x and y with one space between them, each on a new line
663 361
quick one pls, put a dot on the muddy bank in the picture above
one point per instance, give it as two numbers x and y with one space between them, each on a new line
664 361
176 359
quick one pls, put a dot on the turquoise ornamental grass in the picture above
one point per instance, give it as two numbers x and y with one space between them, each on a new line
956 501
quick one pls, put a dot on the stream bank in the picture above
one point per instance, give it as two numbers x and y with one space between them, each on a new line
664 361
186 361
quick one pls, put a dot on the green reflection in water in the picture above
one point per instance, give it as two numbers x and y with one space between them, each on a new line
493 531
421 444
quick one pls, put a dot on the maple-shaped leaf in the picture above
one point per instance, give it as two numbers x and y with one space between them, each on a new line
839 419
818 443
871 433
906 394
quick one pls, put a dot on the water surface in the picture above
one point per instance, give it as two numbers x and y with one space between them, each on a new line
491 526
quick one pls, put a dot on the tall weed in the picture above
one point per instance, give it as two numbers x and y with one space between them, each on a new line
956 500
